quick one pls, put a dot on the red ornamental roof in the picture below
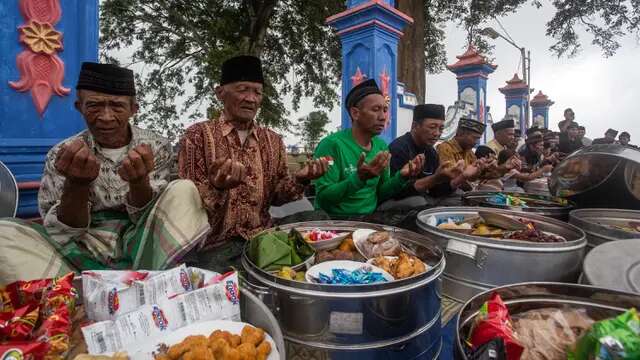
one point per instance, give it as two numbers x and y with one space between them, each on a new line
514 84
469 58
541 100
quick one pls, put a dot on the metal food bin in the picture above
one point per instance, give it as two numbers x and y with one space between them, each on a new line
594 222
394 320
555 209
476 264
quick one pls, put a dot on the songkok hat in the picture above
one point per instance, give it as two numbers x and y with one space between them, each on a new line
504 124
107 79
470 124
242 68
612 131
361 91
428 111
532 130
550 135
535 138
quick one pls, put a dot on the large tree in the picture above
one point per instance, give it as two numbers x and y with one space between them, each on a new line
183 43
311 128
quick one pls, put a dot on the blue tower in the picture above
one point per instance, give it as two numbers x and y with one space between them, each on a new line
540 105
369 31
43 44
472 71
515 94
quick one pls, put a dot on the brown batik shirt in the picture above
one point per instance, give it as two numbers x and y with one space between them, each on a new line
244 210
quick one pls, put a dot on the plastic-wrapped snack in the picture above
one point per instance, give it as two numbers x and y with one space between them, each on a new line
493 350
61 293
22 323
611 339
493 321
33 350
5 301
55 331
26 292
356 277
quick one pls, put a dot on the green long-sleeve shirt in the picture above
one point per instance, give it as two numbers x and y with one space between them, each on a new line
340 191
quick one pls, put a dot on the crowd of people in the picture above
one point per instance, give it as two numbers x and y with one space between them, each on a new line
107 200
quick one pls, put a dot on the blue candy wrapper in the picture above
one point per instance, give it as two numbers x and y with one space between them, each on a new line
360 276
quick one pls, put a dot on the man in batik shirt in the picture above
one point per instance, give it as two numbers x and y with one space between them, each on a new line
104 197
239 167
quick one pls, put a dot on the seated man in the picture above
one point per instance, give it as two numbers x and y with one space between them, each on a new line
569 141
360 176
504 135
609 138
436 180
239 167
104 196
532 154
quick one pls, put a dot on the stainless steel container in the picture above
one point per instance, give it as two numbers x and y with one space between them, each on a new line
614 265
476 264
395 320
593 223
599 303
557 211
599 176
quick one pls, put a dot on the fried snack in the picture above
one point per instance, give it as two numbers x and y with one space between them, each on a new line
199 353
230 354
384 263
176 351
219 346
219 334
404 267
252 335
116 356
263 350
236 340
347 245
247 351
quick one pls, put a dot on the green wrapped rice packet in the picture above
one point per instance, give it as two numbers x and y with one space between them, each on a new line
272 250
612 339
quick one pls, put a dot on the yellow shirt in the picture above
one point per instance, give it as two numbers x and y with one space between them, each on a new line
451 151
495 146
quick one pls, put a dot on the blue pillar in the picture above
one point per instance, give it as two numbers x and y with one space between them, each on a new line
540 105
37 80
472 71
369 32
516 100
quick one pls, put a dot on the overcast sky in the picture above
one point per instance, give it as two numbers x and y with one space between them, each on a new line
602 91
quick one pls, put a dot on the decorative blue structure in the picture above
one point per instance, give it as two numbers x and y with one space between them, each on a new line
472 71
34 113
540 105
369 32
515 94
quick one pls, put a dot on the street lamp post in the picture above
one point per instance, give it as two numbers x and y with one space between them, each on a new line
526 64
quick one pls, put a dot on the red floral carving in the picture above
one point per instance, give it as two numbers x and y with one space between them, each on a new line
358 77
41 70
385 79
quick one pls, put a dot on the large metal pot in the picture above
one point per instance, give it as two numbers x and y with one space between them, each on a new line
557 211
599 303
395 320
476 264
614 265
593 223
599 176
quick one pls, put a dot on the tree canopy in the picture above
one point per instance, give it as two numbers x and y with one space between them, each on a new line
311 128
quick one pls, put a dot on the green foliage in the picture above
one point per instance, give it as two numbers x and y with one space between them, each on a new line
311 129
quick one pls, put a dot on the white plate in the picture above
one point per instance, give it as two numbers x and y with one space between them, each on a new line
145 350
327 267
360 236
328 244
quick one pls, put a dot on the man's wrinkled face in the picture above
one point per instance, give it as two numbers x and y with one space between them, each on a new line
370 114
468 139
429 131
505 136
241 100
107 116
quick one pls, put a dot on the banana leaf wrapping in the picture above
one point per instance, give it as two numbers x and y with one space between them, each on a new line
271 250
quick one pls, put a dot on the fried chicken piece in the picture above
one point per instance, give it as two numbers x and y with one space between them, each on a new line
178 350
404 267
236 340
384 263
221 334
156 357
230 354
347 245
418 266
263 350
252 335
247 351
199 353
218 347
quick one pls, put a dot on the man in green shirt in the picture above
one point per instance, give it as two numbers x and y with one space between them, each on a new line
360 176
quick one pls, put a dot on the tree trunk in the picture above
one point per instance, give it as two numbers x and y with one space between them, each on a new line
411 51
261 13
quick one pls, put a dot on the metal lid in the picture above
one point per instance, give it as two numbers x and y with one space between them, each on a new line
8 193
614 265
599 176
